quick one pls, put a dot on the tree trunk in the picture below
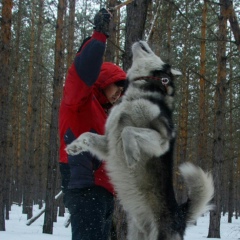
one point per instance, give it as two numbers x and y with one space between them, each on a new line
232 18
38 90
31 125
134 32
182 139
53 140
5 50
230 163
15 115
237 195
134 29
42 139
202 105
71 28
218 134
169 31
110 54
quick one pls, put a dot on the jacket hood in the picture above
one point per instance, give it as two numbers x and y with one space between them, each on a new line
109 73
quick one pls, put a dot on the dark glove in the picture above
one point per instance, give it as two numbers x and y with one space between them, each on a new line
101 21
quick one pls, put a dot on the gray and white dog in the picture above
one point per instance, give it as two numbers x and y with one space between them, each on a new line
138 148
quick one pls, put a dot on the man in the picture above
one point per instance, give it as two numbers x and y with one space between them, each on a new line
91 88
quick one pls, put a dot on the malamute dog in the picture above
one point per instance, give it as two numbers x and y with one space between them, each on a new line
138 148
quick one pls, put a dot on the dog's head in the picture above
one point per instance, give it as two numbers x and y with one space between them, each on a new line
147 65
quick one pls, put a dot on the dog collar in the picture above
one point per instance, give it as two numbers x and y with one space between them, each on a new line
164 80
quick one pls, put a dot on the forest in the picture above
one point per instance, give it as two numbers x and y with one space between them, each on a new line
38 42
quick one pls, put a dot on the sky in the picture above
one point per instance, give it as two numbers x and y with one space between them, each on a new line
16 228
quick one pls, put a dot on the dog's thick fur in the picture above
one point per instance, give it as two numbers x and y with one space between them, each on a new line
138 147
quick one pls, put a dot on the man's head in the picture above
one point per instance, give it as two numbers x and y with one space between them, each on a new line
114 91
111 81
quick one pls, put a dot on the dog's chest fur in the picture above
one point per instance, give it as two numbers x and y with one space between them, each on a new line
138 108
148 109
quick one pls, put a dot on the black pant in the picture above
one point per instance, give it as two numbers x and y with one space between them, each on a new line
91 212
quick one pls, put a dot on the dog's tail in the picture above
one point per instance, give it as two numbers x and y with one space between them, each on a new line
200 190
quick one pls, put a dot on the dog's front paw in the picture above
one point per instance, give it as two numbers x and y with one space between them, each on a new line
79 145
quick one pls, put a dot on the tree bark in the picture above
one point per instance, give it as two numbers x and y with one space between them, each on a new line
134 29
16 106
230 162
53 140
110 54
182 140
237 191
5 50
202 105
71 28
169 31
31 125
232 18
38 90
218 134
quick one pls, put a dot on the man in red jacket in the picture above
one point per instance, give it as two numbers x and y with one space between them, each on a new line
91 88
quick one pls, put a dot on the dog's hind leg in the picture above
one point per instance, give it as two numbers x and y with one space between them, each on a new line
138 141
94 143
141 230
134 233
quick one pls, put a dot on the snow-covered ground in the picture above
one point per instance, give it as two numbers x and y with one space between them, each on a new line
16 228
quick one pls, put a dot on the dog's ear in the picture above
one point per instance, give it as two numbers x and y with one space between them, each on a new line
175 72
168 69
156 73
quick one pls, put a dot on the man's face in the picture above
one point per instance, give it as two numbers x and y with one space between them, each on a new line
113 92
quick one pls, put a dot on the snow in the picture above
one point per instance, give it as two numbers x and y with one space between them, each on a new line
16 228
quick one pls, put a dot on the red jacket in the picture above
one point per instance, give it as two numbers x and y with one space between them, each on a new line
82 110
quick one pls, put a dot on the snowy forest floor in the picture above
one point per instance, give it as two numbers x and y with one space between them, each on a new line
16 228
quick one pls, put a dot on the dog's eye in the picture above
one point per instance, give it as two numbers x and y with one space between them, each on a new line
165 80
143 47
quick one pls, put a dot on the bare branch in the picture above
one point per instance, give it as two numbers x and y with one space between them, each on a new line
120 5
35 217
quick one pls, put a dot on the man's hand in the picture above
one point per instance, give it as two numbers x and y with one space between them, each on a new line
102 20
